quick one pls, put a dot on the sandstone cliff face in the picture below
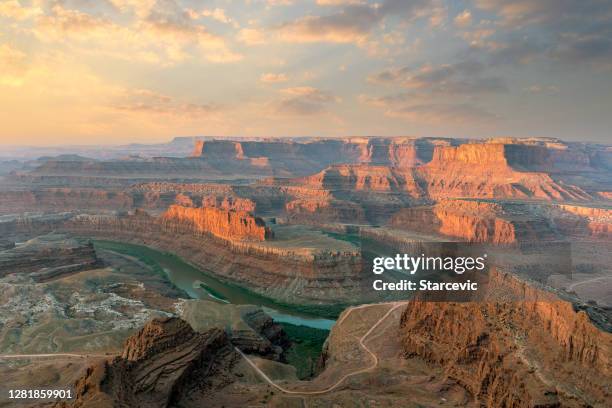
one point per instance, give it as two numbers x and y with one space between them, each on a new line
165 364
557 157
230 225
397 152
218 149
483 171
301 275
488 221
524 349
477 154
364 178
229 203
320 210
469 220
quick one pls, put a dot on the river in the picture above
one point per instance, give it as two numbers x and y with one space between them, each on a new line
201 285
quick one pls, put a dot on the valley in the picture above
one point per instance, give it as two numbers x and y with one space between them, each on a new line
239 273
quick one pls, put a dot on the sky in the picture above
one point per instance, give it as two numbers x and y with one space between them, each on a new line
118 71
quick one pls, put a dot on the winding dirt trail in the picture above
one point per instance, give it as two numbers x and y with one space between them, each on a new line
574 285
374 364
362 339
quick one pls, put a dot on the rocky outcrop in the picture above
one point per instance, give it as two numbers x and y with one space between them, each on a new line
479 221
47 257
519 347
471 221
230 225
229 203
482 170
319 210
165 364
397 152
270 340
364 178
249 328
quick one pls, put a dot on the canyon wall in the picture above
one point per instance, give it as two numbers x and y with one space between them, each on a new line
293 275
526 348
479 221
320 210
469 220
226 224
482 171
63 199
396 152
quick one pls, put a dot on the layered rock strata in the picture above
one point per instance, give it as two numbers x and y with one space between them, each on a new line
484 171
230 225
165 364
291 274
519 347
478 221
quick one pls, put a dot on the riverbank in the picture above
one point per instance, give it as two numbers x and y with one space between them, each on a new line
199 284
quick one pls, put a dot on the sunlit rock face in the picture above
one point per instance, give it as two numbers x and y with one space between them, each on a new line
227 224
523 347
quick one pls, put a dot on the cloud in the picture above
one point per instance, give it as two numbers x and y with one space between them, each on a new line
217 14
166 34
443 113
577 32
465 77
514 51
13 9
305 101
411 107
140 8
251 36
542 89
463 19
478 37
551 12
273 78
352 23
279 2
61 22
338 2
593 49
144 101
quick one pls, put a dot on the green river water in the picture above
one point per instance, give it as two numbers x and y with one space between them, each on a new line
201 285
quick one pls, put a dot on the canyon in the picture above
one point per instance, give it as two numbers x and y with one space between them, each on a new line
292 225
521 347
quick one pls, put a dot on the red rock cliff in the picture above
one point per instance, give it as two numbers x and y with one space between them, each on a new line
528 349
472 221
482 170
230 225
